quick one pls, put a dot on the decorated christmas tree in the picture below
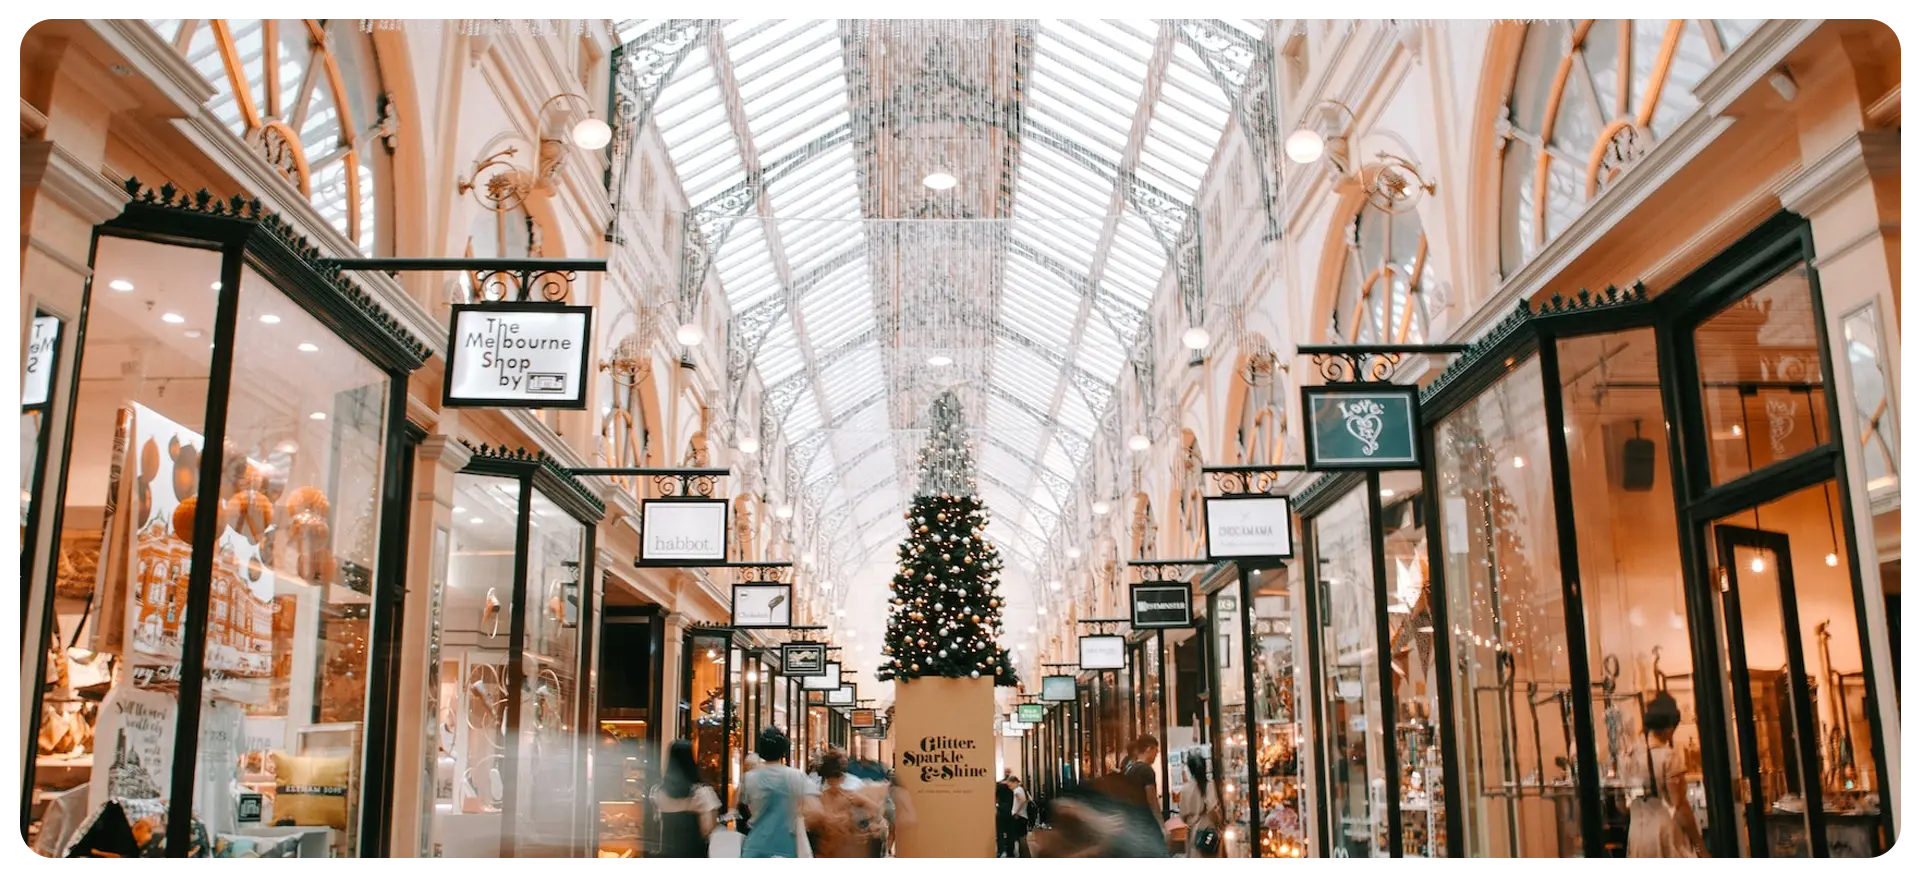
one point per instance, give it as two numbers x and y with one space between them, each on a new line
944 618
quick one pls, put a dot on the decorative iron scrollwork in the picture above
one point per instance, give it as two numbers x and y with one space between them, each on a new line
1358 366
524 284
685 485
771 574
1243 482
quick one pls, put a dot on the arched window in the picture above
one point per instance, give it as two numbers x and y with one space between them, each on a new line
1381 298
305 94
1589 98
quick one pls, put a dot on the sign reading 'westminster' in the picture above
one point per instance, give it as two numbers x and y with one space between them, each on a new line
1162 605
1363 426
518 355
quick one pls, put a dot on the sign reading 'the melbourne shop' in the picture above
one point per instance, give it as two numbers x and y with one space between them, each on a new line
519 355
1363 426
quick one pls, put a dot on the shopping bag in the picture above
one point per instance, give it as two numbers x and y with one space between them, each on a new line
724 842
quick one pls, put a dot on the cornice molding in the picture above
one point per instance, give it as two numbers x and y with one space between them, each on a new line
1848 165
32 120
448 452
51 170
154 57
1761 53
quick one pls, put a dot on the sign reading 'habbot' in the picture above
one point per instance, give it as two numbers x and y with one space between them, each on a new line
518 355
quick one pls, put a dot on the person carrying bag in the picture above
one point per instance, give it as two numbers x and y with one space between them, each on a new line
1200 810
1660 827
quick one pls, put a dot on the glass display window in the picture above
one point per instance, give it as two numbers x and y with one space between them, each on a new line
1761 378
1511 672
212 596
514 763
1352 737
1278 659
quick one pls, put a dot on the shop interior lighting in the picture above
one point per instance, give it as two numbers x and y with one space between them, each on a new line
1196 338
172 318
270 318
317 415
120 286
940 181
309 348
1139 443
749 445
689 335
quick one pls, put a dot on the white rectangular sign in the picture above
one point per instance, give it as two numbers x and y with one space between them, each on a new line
1103 652
763 605
829 679
841 696
683 531
518 355
1249 527
1059 689
37 384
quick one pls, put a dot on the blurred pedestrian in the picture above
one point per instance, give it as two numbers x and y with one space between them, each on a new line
779 798
688 809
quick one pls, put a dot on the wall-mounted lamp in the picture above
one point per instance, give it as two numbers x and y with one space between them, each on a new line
1391 183
590 133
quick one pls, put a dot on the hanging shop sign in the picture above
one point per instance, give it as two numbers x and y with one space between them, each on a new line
680 532
802 659
1247 527
1162 605
1031 713
36 384
862 719
518 355
828 679
1103 652
1362 426
844 695
762 606
1059 689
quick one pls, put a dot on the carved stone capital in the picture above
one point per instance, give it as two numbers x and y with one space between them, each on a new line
446 451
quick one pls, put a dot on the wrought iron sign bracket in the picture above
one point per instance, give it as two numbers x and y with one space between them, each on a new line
668 482
1238 480
514 279
1103 624
1167 570
1368 363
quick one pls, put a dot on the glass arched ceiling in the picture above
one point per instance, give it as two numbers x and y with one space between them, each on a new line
802 146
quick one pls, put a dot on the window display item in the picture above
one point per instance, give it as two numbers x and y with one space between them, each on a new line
310 791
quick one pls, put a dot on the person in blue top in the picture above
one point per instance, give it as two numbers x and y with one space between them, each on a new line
780 798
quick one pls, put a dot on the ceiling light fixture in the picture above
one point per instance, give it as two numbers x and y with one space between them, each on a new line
1140 443
689 335
270 319
289 447
459 509
309 348
120 286
317 415
1758 565
940 181
1196 338
1519 462
216 285
1041 611
783 511
939 361
1073 553
194 333
1386 492
172 318
839 612
1833 559
749 445
1305 146
1101 508
1055 584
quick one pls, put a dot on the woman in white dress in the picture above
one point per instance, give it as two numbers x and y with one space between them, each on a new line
1199 806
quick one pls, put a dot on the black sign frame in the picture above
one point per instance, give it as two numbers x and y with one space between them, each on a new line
1206 529
1141 622
1083 651
1310 394
863 719
641 560
1039 714
789 649
733 602
852 697
449 400
1072 684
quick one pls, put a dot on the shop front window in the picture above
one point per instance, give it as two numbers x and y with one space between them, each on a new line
1638 636
1761 378
1507 624
1279 786
1353 735
1787 603
477 618
548 757
706 705
109 701
285 685
1230 733
1421 770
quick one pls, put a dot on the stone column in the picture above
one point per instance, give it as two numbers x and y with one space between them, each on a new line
429 539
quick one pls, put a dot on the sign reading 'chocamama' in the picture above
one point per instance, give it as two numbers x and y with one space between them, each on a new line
530 355
944 759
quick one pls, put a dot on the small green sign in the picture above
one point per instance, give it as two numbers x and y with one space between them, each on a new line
1363 426
1032 713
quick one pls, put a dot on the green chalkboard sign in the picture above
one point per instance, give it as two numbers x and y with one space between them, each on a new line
1362 426
1032 713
